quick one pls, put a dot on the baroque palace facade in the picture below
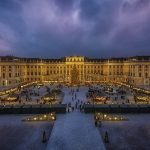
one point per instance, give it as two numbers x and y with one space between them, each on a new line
75 70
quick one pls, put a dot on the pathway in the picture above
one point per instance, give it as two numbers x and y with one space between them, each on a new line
75 130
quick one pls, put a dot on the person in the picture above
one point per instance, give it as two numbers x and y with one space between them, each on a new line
44 137
80 106
76 105
106 138
100 123
95 123
72 108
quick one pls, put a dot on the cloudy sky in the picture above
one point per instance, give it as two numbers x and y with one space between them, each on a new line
55 28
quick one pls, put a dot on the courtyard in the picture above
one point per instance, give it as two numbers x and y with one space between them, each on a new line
96 93
75 129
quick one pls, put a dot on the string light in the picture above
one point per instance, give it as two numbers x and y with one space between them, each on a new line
107 117
45 117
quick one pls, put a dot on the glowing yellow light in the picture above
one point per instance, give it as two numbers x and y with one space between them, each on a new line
53 118
44 116
115 118
35 118
105 115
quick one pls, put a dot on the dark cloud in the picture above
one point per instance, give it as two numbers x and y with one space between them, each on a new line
90 9
54 28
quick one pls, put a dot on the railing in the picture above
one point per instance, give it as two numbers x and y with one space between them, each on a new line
115 108
32 109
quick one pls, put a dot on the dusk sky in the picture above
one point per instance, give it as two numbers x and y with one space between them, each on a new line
56 28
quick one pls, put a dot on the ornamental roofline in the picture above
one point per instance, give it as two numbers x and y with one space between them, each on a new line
63 59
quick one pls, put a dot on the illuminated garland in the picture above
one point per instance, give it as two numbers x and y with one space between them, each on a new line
45 117
107 117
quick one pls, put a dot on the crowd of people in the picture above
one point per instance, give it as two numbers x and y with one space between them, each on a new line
76 102
104 94
113 93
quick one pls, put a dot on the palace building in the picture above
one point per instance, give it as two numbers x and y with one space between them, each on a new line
75 70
